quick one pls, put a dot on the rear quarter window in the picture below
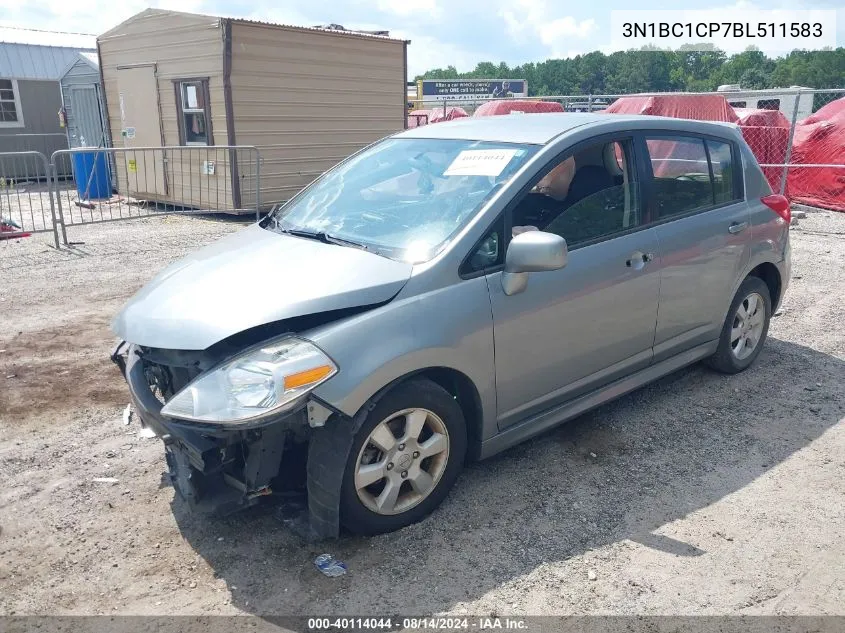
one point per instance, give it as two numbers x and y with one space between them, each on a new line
722 163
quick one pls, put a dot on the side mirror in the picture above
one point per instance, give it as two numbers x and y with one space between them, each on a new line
532 252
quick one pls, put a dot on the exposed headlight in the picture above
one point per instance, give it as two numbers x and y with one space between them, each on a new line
263 380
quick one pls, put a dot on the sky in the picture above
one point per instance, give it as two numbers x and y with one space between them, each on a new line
442 32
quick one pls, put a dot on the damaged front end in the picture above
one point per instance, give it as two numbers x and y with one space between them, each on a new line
218 467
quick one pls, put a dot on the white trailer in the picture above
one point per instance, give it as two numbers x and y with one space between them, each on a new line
783 99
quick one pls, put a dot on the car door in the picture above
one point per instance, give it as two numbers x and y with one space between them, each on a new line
574 329
702 223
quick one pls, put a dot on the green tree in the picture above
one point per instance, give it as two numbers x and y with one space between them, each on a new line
696 67
754 79
654 70
648 70
450 72
591 72
813 69
751 59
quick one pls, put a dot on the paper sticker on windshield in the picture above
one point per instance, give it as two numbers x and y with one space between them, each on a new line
480 162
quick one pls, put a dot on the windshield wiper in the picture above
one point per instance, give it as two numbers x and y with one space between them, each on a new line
325 238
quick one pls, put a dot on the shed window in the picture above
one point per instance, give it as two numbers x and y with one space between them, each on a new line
194 114
10 105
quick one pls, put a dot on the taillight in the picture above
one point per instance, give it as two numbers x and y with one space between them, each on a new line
779 204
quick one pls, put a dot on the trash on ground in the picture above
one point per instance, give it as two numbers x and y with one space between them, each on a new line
106 480
146 433
127 414
330 566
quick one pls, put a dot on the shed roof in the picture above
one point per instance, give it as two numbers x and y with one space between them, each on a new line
89 60
33 61
330 28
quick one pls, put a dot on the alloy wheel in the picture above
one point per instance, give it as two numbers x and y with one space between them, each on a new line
401 461
747 328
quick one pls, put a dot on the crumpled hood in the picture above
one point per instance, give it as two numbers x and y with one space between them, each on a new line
250 278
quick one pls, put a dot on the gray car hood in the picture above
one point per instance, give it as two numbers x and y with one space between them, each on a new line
250 278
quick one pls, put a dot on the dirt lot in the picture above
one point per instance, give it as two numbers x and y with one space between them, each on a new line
700 494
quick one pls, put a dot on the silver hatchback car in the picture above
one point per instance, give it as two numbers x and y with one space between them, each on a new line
444 294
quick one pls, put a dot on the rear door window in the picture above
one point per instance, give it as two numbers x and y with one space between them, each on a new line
690 174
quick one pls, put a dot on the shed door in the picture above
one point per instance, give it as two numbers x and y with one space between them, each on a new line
85 125
140 120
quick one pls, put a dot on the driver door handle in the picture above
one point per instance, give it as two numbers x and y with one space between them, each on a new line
737 227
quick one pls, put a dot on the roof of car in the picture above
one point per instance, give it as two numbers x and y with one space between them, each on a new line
541 128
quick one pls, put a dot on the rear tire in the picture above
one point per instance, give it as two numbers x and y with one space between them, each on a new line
404 459
745 329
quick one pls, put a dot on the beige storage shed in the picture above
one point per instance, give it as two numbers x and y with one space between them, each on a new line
306 97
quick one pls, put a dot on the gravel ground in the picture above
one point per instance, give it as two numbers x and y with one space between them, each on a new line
700 494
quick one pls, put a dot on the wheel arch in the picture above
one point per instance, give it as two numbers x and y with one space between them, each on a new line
458 385
768 271
769 274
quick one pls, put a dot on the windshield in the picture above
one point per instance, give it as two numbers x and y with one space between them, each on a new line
402 198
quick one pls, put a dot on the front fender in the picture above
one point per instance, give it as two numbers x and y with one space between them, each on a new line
449 327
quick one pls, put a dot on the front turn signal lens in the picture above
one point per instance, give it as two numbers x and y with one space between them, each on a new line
307 377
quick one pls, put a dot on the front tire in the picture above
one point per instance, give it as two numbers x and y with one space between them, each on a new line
404 459
745 328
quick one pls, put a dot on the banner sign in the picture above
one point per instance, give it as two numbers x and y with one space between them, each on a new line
469 89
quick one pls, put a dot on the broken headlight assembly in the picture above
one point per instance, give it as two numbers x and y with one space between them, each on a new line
266 379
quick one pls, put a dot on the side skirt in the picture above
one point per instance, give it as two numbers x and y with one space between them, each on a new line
543 421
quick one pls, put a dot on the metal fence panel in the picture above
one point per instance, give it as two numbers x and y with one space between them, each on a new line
110 184
26 200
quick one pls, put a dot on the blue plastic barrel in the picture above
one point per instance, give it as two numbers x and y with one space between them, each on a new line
91 170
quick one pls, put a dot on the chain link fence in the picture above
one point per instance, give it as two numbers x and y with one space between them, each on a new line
91 185
812 171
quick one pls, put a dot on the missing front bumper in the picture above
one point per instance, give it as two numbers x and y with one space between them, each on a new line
216 469
236 472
